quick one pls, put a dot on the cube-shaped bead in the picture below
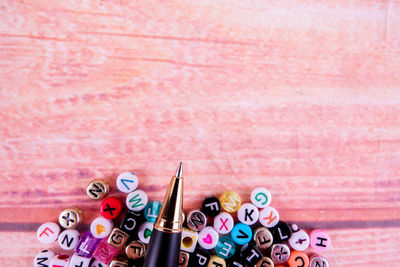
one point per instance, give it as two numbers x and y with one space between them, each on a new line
43 258
80 261
250 254
96 263
97 189
118 238
60 260
131 222
87 245
189 240
105 252
183 259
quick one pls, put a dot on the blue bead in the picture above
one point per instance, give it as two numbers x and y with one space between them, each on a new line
225 247
241 233
152 210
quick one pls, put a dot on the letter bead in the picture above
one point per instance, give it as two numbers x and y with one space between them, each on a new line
269 217
196 220
225 247
200 257
236 261
216 261
68 239
110 208
223 223
230 201
60 260
317 261
152 210
127 182
208 238
80 261
248 214
266 262
319 240
131 222
70 218
211 206
97 189
250 254
105 252
137 200
116 263
263 238
298 258
299 240
87 245
145 231
183 259
135 250
97 263
280 253
43 258
189 240
241 233
281 232
260 197
118 238
48 232
101 227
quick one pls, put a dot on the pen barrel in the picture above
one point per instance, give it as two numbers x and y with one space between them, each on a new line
163 250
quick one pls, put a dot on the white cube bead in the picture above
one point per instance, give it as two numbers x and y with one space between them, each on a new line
189 240
80 261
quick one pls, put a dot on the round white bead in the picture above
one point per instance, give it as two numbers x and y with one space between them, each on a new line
269 217
48 232
68 239
223 223
60 260
143 233
248 214
208 238
299 240
80 261
43 258
260 197
101 227
127 182
137 200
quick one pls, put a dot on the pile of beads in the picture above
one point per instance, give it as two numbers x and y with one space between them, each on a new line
224 232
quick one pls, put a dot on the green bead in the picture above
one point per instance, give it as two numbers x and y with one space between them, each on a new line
225 247
152 210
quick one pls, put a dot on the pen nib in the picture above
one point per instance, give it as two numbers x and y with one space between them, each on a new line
179 171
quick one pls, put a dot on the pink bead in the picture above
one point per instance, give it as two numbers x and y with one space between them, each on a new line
105 252
319 240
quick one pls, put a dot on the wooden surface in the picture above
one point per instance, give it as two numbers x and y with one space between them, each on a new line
302 98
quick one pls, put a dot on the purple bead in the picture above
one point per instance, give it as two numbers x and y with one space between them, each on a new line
87 245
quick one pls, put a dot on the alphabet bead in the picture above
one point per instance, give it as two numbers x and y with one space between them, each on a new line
317 261
97 189
87 245
225 247
137 200
230 201
80 261
266 262
248 214
48 232
223 223
135 250
269 217
68 239
196 220
216 261
189 240
183 259
152 210
70 218
131 222
280 253
105 252
299 240
208 238
60 260
281 232
110 208
97 263
43 258
298 258
211 206
116 263
127 182
250 254
241 233
263 238
236 261
101 227
145 231
260 197
200 257
118 238
319 240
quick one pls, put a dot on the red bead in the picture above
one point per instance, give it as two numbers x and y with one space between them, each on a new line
110 207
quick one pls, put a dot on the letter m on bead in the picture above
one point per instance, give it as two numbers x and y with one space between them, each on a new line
137 200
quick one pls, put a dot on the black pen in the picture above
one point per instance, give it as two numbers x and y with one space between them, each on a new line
165 241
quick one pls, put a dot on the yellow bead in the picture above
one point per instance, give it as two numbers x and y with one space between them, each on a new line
216 261
230 201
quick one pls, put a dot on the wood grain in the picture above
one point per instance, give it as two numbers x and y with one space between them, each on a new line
300 97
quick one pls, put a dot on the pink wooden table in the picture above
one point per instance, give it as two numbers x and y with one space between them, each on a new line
301 97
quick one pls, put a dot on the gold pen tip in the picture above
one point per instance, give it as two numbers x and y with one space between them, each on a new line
178 173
